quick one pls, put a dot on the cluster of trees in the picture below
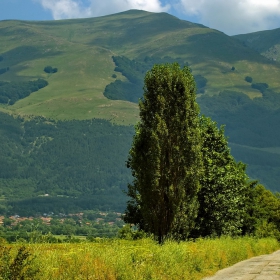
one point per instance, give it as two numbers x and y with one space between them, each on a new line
134 71
50 69
186 182
10 92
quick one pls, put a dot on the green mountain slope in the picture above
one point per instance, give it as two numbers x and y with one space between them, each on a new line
82 52
65 139
265 42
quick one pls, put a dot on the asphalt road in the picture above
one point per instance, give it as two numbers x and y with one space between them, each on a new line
265 267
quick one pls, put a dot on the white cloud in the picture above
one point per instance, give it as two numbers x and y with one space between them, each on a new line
65 8
229 16
235 16
61 9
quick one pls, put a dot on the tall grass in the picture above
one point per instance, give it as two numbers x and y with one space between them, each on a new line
144 259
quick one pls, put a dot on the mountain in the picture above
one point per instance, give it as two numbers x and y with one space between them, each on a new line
68 99
82 51
267 42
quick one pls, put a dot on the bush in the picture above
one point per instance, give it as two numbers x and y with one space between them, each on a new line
18 267
129 234
49 69
248 79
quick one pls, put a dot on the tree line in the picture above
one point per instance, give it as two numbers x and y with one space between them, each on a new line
10 92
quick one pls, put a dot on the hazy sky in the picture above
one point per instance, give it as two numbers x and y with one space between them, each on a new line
229 16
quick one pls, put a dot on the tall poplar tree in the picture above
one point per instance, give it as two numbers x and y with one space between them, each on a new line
165 157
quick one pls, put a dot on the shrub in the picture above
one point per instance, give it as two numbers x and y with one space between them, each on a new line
248 79
16 267
49 69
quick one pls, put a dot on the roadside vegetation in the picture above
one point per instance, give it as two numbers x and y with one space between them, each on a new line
125 259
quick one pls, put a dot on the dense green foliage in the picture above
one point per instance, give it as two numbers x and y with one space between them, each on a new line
165 160
165 155
79 164
222 197
248 79
49 69
10 92
262 87
262 217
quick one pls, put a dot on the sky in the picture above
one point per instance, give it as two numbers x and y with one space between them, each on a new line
229 16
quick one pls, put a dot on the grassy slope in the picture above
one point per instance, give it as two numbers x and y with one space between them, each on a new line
81 50
265 42
76 91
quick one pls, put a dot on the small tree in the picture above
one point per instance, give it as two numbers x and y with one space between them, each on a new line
165 157
248 79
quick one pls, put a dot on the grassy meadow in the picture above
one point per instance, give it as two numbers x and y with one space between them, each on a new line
142 259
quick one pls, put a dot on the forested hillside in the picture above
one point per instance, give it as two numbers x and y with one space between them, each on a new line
62 166
252 126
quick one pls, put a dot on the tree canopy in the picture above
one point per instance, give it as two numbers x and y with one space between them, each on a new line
223 185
